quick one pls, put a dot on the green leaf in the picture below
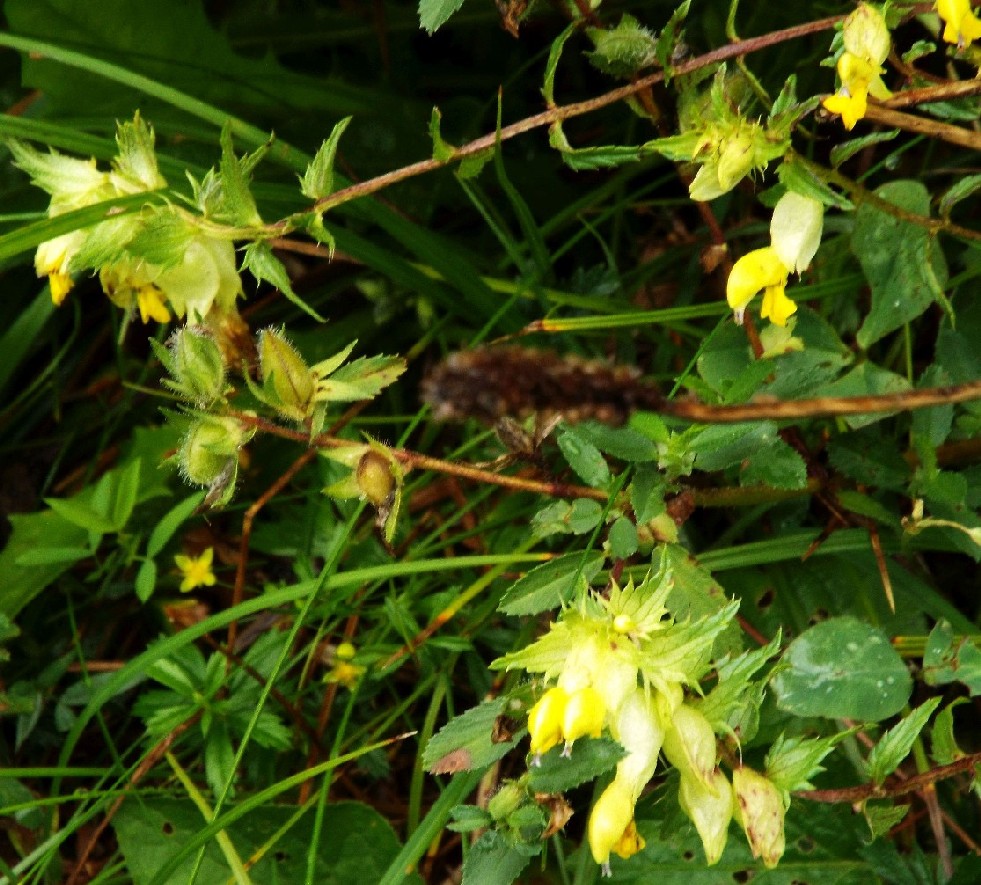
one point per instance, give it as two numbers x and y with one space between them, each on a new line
945 660
493 861
433 14
467 742
81 514
647 490
552 65
894 746
146 580
961 190
623 50
584 515
318 180
361 379
798 178
622 538
902 261
588 759
584 457
552 584
361 844
847 149
882 817
842 669
620 442
670 37
943 744
263 265
792 762
776 465
868 457
42 556
172 520
724 445
238 204
868 379
162 238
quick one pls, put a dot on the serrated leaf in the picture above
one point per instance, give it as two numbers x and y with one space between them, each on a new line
647 490
584 457
584 515
550 585
361 379
588 759
946 661
622 50
620 442
263 265
723 445
467 742
881 817
894 746
318 179
733 704
902 261
493 861
842 669
238 204
792 762
467 818
777 465
433 14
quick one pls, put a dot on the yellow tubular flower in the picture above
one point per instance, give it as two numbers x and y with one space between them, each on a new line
961 25
545 720
196 570
630 843
755 271
709 807
583 715
609 822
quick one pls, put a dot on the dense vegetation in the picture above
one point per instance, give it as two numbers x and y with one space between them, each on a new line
532 441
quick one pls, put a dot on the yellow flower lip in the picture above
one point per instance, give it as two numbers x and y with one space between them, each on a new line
961 26
755 271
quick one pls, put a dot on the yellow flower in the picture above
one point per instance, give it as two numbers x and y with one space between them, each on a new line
583 715
545 720
867 44
196 570
152 307
51 260
961 25
610 821
757 271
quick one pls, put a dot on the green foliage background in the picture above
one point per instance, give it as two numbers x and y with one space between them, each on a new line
265 766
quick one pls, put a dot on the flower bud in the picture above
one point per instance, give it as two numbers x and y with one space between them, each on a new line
735 158
760 812
689 744
197 366
210 449
506 800
374 477
710 809
609 821
286 378
866 35
795 230
545 720
584 714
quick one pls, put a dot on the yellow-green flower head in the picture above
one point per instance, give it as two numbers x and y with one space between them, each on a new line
795 230
545 720
637 726
961 25
207 277
866 35
760 812
760 270
709 807
611 827
689 744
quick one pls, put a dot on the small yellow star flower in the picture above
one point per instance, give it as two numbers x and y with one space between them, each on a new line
961 25
196 570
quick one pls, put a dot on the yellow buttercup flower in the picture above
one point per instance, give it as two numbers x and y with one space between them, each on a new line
196 570
961 25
